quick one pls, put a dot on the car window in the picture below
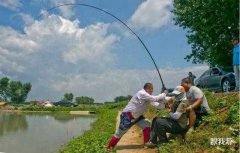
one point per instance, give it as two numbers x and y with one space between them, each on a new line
215 71
207 73
227 70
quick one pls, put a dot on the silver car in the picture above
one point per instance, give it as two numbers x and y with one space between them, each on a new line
217 79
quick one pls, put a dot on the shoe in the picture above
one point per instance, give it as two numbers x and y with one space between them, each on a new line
190 130
150 145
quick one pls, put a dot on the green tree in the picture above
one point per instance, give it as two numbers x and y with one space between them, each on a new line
17 92
68 96
84 100
3 88
14 91
210 25
122 98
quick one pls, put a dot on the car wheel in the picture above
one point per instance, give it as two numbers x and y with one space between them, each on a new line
226 85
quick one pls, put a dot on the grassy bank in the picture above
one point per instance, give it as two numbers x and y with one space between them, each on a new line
95 140
58 108
223 122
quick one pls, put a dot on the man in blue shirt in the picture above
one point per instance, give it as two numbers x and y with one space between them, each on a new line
236 67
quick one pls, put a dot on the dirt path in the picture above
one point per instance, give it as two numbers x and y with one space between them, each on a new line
132 141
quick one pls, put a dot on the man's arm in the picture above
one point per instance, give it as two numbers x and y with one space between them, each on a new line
150 98
158 105
175 115
197 103
182 107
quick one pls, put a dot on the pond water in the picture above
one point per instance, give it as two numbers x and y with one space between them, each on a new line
39 132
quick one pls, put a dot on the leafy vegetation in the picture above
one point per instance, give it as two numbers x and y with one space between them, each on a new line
56 108
122 98
222 122
68 96
210 26
84 100
13 91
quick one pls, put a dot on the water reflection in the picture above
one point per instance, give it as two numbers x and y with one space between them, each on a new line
58 116
12 122
39 132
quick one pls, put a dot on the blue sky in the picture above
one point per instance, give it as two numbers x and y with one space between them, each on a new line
81 50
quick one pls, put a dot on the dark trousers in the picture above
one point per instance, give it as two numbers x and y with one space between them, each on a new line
200 111
199 118
160 126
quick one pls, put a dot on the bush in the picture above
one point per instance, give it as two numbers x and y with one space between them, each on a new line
233 114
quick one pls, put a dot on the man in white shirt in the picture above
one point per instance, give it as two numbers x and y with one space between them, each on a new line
133 113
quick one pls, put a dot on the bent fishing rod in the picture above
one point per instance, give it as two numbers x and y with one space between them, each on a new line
112 15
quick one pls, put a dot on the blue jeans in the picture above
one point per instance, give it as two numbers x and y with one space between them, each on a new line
236 69
126 123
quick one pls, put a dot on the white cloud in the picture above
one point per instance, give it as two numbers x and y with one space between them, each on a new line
106 86
89 48
152 14
55 39
53 48
14 47
7 61
11 4
66 11
27 19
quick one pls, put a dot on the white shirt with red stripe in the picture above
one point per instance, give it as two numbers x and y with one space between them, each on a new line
141 100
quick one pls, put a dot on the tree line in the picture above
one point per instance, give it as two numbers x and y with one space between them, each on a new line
79 100
90 100
17 92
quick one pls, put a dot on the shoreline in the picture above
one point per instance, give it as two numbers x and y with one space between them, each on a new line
69 112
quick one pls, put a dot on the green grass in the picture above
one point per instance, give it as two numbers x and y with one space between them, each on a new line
60 108
222 122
